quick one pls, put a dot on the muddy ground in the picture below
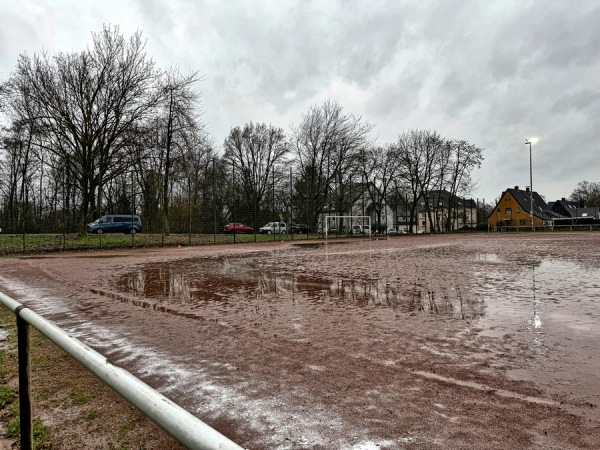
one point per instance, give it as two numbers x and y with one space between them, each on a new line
432 342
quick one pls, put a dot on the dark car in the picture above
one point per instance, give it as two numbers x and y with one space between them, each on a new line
113 223
299 228
237 228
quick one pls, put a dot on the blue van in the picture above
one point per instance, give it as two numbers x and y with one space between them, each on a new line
116 223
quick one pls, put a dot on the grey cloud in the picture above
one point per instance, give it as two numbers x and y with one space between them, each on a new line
490 72
580 100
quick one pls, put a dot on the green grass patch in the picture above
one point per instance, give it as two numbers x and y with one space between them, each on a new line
14 244
93 414
79 397
41 433
7 395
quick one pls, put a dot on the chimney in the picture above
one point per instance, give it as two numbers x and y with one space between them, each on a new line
563 199
526 188
582 203
516 188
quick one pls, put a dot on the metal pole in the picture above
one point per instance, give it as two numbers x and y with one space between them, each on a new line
63 213
351 227
187 429
528 142
233 198
273 198
162 215
291 209
24 383
132 212
190 210
385 217
214 194
100 203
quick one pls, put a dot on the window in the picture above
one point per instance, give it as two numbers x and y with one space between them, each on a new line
508 211
522 222
518 210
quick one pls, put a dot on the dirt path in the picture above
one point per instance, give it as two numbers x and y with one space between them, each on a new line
485 341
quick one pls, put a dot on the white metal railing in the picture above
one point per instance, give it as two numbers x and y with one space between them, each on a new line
187 429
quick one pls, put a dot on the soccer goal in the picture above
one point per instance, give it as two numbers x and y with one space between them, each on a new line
337 225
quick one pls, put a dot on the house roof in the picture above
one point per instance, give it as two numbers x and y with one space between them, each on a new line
441 197
581 213
573 210
524 199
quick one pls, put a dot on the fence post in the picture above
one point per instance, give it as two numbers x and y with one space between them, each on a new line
190 210
290 229
24 384
233 198
273 198
132 213
214 202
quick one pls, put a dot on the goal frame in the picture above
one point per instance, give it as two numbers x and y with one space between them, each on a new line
352 218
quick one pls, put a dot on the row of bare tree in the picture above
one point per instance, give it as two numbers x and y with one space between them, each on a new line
104 130
587 192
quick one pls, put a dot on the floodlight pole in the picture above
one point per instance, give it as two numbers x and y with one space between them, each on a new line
528 142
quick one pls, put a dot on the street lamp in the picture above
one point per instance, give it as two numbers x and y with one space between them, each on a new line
528 142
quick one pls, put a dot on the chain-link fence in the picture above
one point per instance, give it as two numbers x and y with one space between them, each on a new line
220 207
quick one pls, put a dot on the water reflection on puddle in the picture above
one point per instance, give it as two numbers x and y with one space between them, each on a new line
543 297
204 282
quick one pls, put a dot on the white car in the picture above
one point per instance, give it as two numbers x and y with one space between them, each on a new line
356 229
273 228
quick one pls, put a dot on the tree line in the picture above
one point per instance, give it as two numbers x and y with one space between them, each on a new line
104 130
587 192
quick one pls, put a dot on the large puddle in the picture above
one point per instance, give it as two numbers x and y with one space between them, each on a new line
545 305
206 282
532 294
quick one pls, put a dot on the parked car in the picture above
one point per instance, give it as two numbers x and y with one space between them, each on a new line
392 231
237 228
357 229
299 228
113 223
273 228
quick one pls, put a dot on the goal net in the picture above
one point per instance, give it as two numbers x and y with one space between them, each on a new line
347 225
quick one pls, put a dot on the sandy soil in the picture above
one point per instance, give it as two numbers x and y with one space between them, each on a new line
462 341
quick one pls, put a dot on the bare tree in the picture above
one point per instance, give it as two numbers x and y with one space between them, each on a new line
254 152
178 122
88 103
588 192
416 153
325 146
428 162
379 167
464 157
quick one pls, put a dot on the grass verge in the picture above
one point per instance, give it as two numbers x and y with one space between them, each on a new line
14 244
72 409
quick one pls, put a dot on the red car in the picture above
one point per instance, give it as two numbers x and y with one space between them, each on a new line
237 228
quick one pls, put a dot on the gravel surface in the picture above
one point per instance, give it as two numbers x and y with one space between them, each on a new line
433 341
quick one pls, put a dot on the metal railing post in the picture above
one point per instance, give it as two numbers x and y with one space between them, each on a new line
184 427
24 383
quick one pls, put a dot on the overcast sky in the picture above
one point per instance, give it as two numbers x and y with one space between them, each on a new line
491 72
